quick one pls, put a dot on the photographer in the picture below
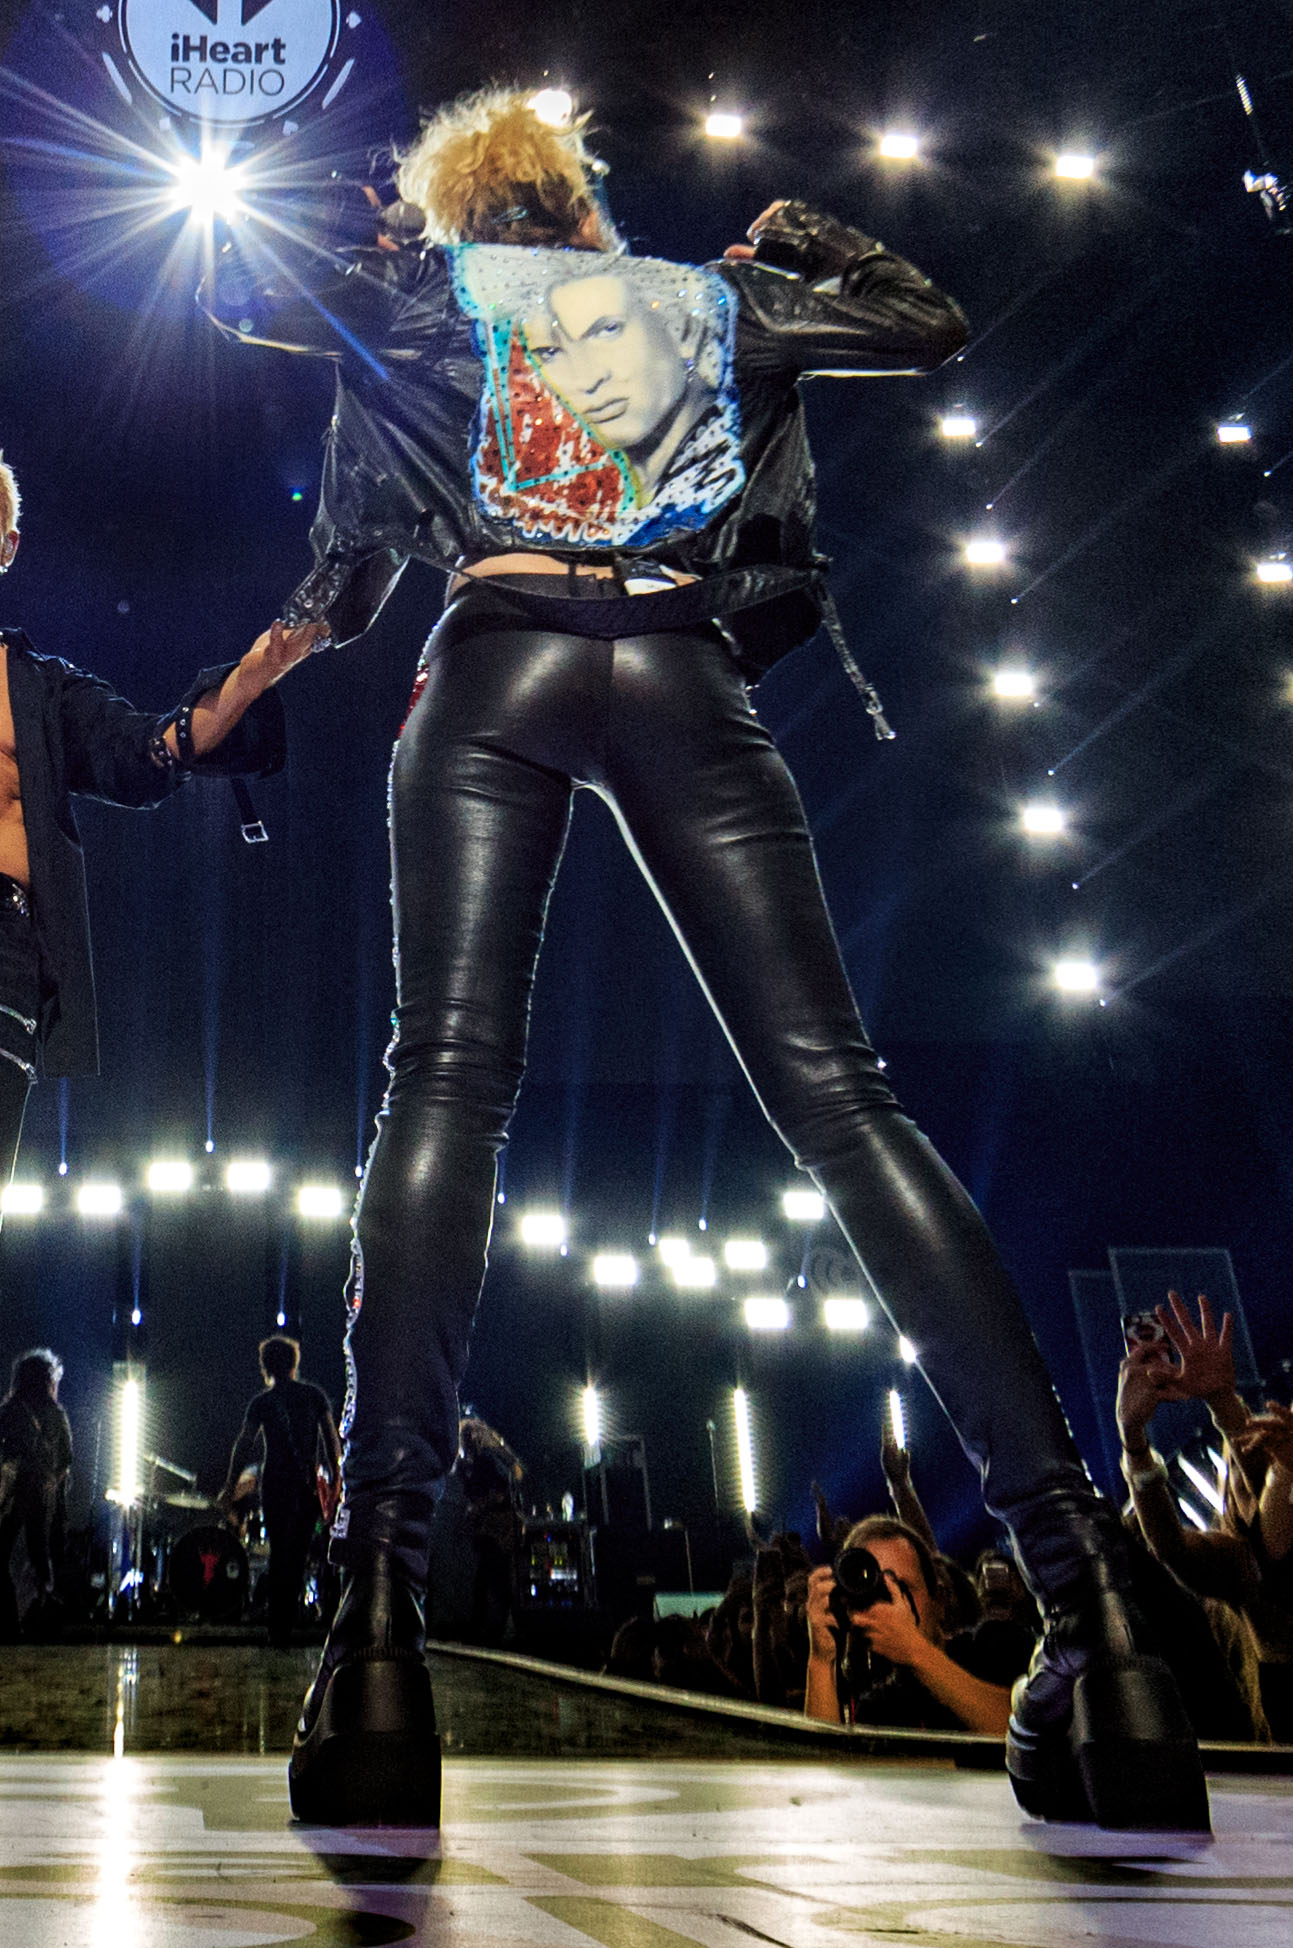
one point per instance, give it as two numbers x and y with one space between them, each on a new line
877 1653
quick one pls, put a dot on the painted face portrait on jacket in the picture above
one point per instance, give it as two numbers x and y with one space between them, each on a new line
609 410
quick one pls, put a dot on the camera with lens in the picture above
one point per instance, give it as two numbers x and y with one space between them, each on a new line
860 1584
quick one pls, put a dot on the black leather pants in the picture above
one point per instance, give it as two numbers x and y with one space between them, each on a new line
510 719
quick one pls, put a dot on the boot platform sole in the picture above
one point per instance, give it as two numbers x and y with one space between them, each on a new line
372 1756
1127 1759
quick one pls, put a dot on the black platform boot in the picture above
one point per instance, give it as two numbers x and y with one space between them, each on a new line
1097 1728
366 1752
1099 1731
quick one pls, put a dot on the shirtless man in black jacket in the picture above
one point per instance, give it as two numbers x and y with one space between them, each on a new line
61 732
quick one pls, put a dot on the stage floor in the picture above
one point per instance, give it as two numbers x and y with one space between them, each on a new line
199 1853
572 1815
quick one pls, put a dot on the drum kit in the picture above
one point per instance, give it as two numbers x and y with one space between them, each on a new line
166 1566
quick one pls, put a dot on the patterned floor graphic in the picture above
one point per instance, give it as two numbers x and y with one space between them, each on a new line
199 1853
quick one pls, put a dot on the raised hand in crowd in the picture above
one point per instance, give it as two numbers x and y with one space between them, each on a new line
896 1462
1206 1354
1266 1444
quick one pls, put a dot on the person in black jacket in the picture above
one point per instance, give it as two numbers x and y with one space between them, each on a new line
293 1420
64 732
608 454
35 1458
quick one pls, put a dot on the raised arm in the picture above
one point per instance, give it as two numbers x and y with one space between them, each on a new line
228 723
820 297
266 290
908 1507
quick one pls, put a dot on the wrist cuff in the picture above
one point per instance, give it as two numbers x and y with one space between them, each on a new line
1136 1469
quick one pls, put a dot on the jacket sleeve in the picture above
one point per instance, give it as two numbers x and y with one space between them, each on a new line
822 298
325 304
108 745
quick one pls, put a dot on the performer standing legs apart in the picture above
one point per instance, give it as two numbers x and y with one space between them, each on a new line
610 451
481 794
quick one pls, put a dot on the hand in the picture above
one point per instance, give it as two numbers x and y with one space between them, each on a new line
1268 1436
281 648
817 1612
745 251
1144 1378
1207 1363
892 1631
895 1460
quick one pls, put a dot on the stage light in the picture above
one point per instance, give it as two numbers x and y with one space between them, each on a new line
745 1255
803 1206
898 147
280 1318
130 1410
1073 167
207 187
209 1146
136 1317
1042 820
744 1449
1275 569
672 1251
1233 432
555 106
897 1419
694 1274
62 1168
170 1176
982 551
1014 685
723 126
543 1230
22 1199
958 425
615 1270
318 1201
767 1314
846 1315
1073 975
99 1200
1208 1489
247 1176
592 1416
906 1351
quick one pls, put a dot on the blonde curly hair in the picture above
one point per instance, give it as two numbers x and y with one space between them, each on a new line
486 169
10 498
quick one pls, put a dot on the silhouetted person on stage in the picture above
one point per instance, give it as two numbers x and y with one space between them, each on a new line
608 454
61 733
35 1458
293 1421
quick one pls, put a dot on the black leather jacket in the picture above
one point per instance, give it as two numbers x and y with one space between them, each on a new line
73 734
413 467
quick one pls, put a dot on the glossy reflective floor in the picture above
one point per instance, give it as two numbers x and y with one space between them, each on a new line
621 1837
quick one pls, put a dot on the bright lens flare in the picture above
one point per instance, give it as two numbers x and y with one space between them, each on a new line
207 187
555 106
592 1416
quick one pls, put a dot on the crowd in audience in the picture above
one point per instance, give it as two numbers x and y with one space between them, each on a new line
912 1638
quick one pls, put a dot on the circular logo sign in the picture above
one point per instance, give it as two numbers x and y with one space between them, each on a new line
229 62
